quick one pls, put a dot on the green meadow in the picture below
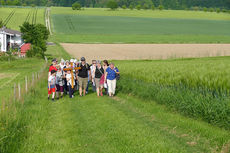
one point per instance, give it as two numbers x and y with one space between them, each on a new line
133 26
166 106
21 15
126 123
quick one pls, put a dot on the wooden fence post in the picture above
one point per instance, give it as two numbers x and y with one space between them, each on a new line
14 91
32 78
19 91
26 84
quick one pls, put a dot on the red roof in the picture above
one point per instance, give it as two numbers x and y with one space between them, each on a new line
25 48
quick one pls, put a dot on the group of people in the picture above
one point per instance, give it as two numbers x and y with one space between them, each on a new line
70 76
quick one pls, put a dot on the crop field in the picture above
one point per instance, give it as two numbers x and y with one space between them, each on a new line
145 51
14 17
116 27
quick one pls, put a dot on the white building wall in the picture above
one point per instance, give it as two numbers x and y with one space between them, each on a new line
3 42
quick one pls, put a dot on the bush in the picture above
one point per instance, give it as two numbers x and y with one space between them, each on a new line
205 9
145 6
195 8
32 5
131 7
36 34
124 6
138 7
224 10
24 5
76 6
153 7
112 5
218 10
160 7
211 9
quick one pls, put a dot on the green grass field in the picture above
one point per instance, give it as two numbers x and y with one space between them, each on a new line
126 26
20 16
179 105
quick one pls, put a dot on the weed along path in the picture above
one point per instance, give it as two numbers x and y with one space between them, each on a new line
122 124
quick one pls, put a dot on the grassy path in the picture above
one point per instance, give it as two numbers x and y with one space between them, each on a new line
121 124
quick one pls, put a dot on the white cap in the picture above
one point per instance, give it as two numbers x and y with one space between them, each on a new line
71 60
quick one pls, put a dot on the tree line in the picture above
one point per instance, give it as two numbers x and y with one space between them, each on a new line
168 4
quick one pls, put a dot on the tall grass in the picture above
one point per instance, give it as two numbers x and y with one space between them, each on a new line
198 88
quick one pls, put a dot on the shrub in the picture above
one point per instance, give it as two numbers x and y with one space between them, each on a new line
218 10
76 6
36 34
153 7
145 6
131 7
205 9
124 6
138 7
160 7
32 5
24 5
224 10
112 5
195 8
211 9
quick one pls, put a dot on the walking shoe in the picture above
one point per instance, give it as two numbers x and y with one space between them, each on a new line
53 99
48 98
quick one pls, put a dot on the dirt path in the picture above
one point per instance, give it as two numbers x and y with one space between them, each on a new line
145 51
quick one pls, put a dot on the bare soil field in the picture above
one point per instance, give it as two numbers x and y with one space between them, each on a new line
145 51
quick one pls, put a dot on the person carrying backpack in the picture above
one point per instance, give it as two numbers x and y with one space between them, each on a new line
83 75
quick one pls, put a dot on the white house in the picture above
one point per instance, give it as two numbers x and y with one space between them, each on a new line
10 39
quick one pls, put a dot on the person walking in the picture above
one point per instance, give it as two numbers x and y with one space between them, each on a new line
105 66
92 69
51 84
83 75
98 73
59 83
110 78
69 83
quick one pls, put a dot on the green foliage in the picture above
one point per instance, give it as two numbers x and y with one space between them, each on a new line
195 8
145 6
76 6
200 91
138 7
33 5
160 7
1 23
218 10
124 6
112 4
224 10
205 9
153 7
36 34
211 9
131 7
24 4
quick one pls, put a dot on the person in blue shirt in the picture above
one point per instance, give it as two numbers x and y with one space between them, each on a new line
110 78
